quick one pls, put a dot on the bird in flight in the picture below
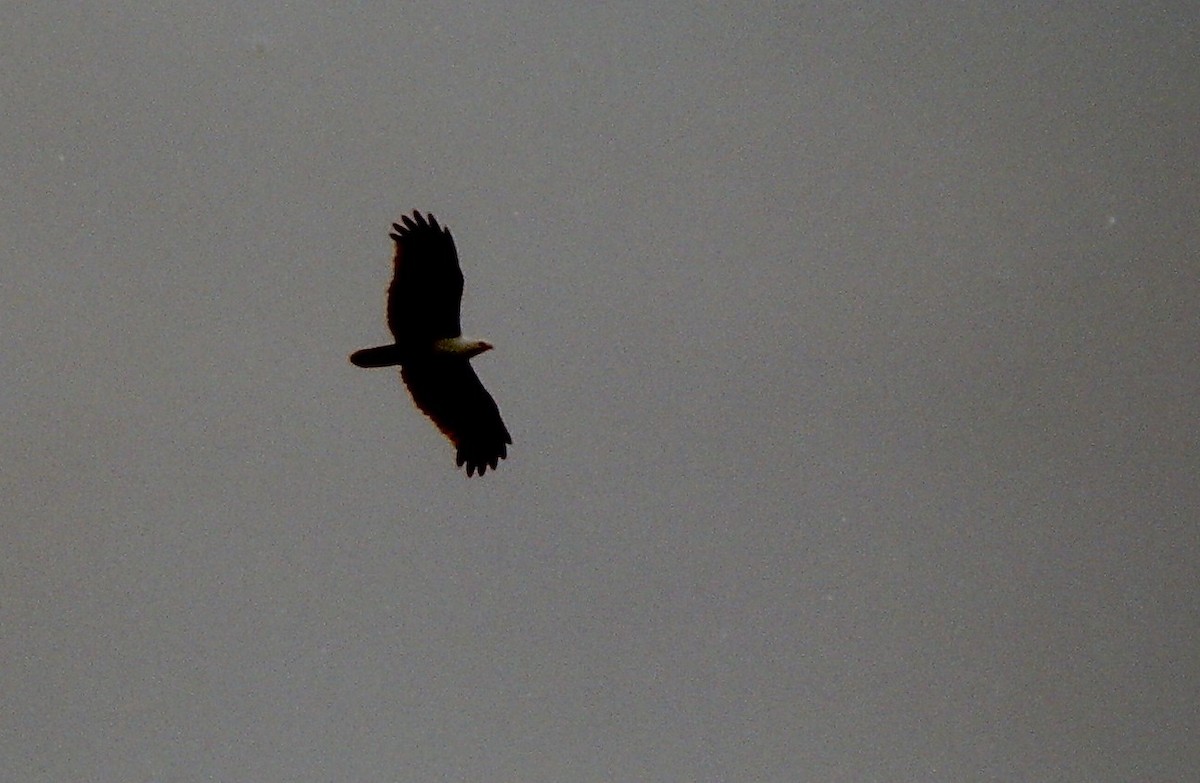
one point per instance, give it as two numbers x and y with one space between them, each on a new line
434 357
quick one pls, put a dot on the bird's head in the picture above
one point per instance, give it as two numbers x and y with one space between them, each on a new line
466 347
478 347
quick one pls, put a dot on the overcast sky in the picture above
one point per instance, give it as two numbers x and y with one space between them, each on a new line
850 358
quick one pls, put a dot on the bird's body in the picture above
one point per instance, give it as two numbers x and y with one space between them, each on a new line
434 357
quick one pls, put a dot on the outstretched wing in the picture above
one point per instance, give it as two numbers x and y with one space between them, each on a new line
449 392
427 286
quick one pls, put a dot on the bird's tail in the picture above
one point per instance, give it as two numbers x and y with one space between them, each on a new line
380 356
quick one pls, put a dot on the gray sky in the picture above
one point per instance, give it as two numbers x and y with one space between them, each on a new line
849 356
